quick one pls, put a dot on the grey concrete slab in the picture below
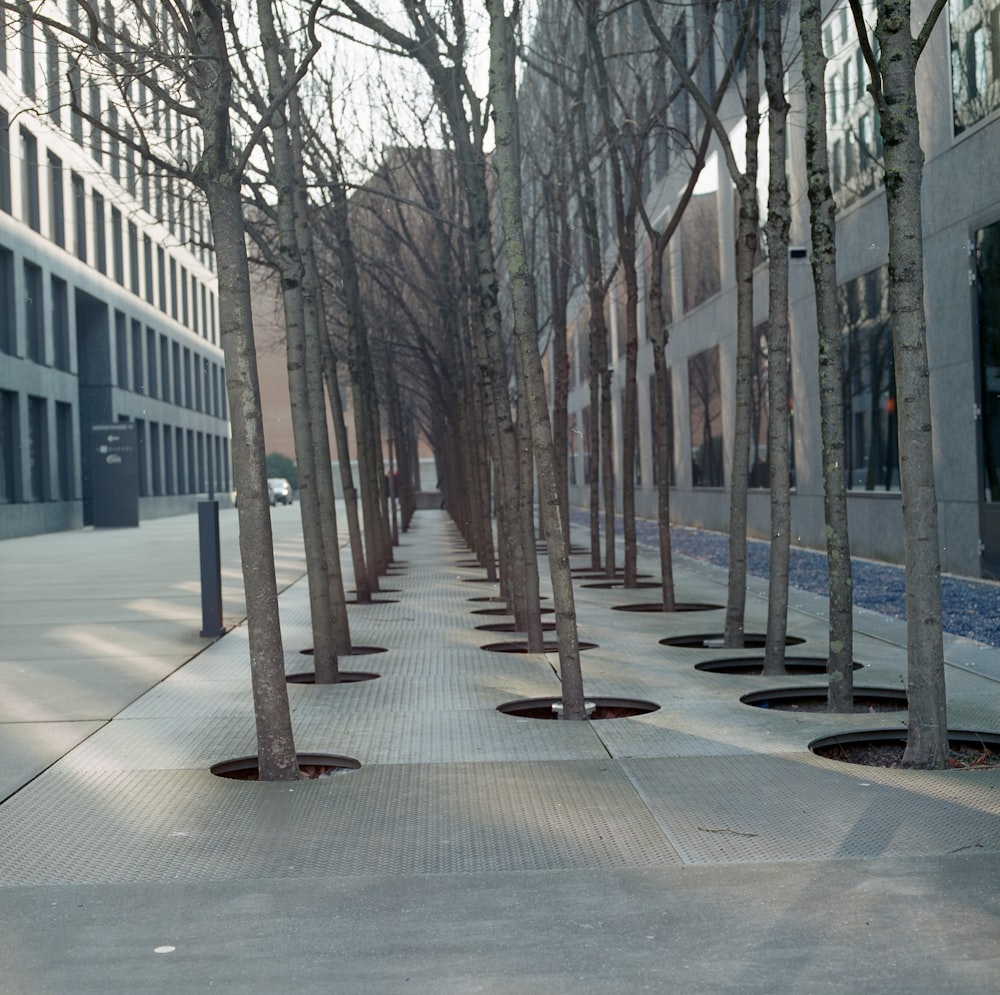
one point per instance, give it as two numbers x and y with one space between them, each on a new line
923 926
700 847
28 748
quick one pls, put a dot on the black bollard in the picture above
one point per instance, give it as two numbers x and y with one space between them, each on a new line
211 569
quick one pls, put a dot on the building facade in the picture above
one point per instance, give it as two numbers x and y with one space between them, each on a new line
107 291
959 99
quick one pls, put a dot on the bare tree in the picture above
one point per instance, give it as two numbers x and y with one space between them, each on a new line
893 87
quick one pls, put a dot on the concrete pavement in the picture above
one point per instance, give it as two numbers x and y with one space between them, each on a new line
698 848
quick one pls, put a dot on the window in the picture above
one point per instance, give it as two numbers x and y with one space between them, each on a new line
38 449
28 81
152 382
34 314
79 216
188 393
869 383
223 412
182 487
53 78
60 324
65 463
705 408
57 205
168 460
133 258
117 247
114 143
96 150
175 350
76 103
10 447
198 379
147 251
121 351
4 160
138 373
700 262
130 172
173 288
8 314
30 204
154 457
184 295
100 234
140 447
161 270
666 418
164 368
987 242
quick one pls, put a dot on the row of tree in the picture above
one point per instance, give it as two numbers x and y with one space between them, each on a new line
424 278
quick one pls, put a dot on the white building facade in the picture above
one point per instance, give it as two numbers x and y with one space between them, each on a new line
108 308
959 100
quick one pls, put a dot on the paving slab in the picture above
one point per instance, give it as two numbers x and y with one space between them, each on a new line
700 847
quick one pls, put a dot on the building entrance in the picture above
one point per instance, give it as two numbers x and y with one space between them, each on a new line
987 250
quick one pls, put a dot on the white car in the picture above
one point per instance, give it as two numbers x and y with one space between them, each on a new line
281 490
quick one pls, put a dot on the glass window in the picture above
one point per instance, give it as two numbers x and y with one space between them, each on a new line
30 204
975 61
34 314
705 408
65 463
10 447
869 383
38 449
79 216
4 160
121 351
8 314
60 324
57 205
988 285
100 234
700 265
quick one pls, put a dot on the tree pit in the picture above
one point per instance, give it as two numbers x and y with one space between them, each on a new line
884 748
813 699
505 611
619 585
597 708
355 651
679 606
312 767
754 665
715 640
346 677
511 627
549 646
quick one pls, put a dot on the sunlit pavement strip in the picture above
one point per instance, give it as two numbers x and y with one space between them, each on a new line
450 786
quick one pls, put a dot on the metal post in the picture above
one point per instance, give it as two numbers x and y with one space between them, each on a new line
211 569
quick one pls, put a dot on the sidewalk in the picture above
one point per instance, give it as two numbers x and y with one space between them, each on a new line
697 848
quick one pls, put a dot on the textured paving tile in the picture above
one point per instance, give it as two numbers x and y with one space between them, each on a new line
122 826
757 808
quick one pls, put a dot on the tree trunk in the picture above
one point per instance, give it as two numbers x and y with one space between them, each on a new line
746 251
214 173
840 664
778 220
927 737
502 93
292 270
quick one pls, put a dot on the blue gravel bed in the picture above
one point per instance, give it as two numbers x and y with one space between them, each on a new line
970 608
